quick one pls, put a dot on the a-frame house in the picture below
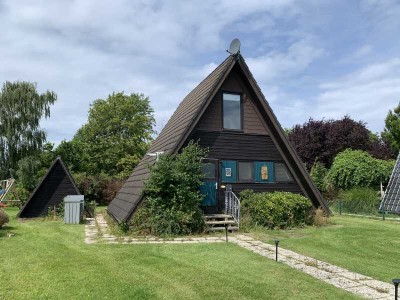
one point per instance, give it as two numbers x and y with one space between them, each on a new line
50 192
391 199
227 113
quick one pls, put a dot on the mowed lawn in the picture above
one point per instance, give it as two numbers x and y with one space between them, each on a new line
49 260
367 246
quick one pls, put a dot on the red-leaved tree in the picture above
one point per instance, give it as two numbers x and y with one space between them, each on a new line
323 140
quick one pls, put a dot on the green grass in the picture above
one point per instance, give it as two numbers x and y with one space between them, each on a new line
367 246
49 260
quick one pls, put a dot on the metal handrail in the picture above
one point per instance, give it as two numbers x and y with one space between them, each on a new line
232 206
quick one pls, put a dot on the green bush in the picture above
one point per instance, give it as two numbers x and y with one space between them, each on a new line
360 200
318 173
21 193
352 168
100 188
275 210
4 219
172 196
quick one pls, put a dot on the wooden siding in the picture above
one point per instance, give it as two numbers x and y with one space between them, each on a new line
231 145
239 146
212 119
252 120
55 186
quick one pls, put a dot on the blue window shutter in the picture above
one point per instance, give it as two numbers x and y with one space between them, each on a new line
259 170
228 167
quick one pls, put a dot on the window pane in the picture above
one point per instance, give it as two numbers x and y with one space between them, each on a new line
208 169
246 171
231 108
282 173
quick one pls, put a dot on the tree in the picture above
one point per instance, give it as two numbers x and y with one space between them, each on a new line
32 168
380 148
309 141
73 155
391 132
323 140
116 135
21 109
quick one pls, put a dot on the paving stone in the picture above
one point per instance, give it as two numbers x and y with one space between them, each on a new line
367 292
379 285
339 277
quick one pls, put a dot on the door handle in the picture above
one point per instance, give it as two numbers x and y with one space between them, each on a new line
216 185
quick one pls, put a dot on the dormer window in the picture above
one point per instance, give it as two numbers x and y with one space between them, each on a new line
232 113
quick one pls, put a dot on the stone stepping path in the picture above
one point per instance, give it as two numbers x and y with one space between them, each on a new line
355 283
97 231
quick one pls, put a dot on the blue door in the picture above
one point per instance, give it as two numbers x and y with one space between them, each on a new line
209 187
209 190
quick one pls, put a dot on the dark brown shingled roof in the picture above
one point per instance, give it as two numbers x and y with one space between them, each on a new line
169 140
181 124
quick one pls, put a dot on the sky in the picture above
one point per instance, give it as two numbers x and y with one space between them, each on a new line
312 59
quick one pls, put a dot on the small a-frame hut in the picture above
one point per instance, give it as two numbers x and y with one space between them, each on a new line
391 199
228 114
54 186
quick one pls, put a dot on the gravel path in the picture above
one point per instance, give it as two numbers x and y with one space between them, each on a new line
97 231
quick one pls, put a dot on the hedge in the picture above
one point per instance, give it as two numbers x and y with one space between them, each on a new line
275 210
356 168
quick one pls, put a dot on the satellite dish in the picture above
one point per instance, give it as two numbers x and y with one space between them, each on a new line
234 47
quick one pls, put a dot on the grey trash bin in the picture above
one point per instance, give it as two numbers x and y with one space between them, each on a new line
73 208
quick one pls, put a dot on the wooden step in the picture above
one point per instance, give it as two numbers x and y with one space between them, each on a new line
220 222
217 216
230 228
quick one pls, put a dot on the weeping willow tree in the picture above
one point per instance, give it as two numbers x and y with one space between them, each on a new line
21 109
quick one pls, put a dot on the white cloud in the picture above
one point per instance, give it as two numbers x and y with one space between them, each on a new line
84 50
366 94
276 65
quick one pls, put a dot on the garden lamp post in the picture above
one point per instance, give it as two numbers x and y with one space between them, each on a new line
276 249
396 287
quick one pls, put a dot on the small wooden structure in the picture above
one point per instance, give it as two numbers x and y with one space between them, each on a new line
49 194
228 114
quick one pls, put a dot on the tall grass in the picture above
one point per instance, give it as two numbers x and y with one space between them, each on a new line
360 200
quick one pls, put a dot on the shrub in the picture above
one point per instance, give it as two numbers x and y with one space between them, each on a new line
352 168
99 188
21 193
318 173
360 200
275 210
320 218
4 219
90 209
172 196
